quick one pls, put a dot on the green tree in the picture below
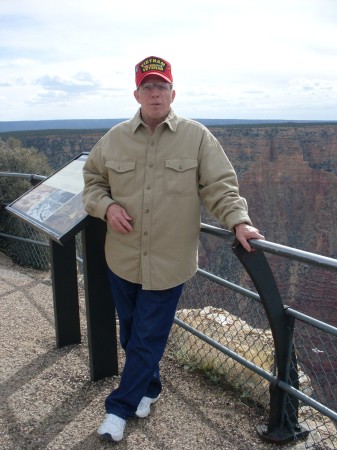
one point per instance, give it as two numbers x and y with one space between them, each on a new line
15 158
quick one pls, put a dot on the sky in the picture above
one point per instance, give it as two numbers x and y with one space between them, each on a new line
231 59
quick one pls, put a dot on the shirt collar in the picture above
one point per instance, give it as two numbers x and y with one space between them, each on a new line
171 121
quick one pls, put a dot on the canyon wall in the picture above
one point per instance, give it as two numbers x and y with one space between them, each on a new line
287 173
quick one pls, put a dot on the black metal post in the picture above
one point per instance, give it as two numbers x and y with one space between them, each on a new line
283 424
65 293
100 308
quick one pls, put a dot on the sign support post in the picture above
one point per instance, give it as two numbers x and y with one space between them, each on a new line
65 293
100 307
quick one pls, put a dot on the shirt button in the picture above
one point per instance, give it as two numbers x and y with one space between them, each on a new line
146 233
147 211
144 253
152 144
148 187
151 165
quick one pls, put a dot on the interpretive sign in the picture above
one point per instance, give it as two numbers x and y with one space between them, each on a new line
55 206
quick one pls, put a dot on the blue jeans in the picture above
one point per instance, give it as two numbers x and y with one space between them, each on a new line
145 321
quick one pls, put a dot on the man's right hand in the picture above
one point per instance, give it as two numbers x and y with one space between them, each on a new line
119 219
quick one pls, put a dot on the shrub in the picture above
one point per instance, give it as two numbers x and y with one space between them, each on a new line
14 158
18 159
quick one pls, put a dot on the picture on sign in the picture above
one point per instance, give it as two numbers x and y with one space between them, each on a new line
55 205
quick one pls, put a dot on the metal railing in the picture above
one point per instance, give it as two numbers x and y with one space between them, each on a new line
285 394
274 355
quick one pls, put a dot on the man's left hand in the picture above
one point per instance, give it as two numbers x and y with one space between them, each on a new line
244 232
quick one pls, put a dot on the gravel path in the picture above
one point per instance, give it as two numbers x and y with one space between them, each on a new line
49 402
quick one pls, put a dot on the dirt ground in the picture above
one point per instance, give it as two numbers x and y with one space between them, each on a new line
49 402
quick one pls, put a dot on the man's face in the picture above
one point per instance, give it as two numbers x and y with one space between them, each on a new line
155 96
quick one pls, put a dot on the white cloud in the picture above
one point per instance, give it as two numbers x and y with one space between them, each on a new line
81 82
230 58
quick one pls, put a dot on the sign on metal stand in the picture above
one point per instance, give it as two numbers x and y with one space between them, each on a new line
55 208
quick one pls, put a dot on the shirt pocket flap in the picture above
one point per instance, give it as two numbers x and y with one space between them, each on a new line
121 166
180 165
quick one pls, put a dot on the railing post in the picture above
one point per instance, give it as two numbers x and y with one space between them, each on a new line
283 423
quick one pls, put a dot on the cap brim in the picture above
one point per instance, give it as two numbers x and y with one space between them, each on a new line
145 75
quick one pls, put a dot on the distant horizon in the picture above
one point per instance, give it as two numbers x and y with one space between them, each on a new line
75 124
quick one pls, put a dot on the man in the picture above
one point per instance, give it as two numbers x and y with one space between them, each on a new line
146 178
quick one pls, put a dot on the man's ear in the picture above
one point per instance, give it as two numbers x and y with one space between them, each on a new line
136 95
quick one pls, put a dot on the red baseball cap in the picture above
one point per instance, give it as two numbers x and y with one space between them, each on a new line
153 66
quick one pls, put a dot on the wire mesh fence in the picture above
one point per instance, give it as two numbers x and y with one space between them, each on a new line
316 352
230 318
240 324
220 314
25 245
311 291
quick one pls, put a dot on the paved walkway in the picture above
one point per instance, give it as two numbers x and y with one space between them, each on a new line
47 400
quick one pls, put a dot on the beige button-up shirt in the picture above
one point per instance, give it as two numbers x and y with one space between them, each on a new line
160 179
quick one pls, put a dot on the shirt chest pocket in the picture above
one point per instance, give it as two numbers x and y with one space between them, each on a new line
180 177
122 177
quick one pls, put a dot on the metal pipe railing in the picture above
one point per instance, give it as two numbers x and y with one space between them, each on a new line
311 321
232 286
281 319
276 249
27 176
263 373
283 417
21 239
294 253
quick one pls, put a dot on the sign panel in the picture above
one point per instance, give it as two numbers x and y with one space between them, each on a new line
55 206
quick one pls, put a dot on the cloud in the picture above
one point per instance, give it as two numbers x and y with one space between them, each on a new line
230 59
78 87
80 83
313 87
14 82
16 62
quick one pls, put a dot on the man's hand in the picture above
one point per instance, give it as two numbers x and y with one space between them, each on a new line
244 232
119 219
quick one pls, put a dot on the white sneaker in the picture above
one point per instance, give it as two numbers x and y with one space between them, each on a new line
112 427
144 406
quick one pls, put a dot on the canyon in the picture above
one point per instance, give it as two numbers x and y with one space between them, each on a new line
288 175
